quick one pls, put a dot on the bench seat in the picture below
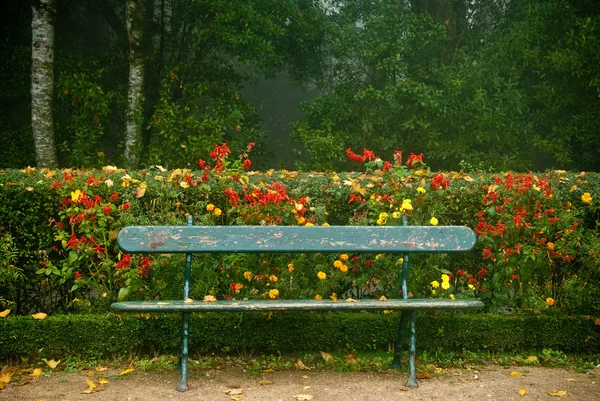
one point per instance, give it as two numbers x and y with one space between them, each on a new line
304 305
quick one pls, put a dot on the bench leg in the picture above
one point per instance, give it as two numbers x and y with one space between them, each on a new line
412 375
396 364
183 355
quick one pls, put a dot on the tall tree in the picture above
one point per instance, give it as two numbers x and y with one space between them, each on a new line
42 82
135 13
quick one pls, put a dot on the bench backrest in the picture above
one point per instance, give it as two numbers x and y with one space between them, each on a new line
295 239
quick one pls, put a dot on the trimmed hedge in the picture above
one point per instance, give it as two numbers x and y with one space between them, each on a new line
105 335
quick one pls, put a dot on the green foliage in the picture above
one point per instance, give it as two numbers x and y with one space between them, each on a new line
107 335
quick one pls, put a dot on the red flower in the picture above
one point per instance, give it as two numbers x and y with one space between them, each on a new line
73 241
356 198
125 262
144 268
114 197
354 157
201 163
413 159
77 276
439 181
106 209
368 154
460 273
234 198
482 272
247 164
55 185
220 152
126 206
386 166
398 156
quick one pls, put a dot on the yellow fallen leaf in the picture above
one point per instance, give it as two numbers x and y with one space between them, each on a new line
327 357
522 392
88 391
102 380
23 382
5 378
36 372
39 316
558 393
268 371
424 375
100 368
300 365
188 301
306 387
265 382
2 385
334 297
52 363
571 380
126 371
516 374
303 397
382 298
210 298
351 300
403 388
90 373
90 383
532 358
4 313
234 391
305 377
235 398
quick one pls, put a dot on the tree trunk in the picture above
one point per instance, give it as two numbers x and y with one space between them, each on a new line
135 12
42 82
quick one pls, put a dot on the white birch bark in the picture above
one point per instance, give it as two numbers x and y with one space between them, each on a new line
135 96
42 82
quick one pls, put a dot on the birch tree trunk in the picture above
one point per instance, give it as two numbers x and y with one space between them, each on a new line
42 82
135 12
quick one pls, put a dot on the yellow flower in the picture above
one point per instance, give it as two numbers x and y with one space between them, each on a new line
421 190
445 285
396 215
378 256
321 275
248 275
325 224
344 257
400 261
273 278
433 221
210 207
344 269
301 220
471 286
435 284
380 222
274 293
291 267
75 195
433 292
318 297
337 264
445 278
550 301
573 188
406 205
308 225
217 211
451 296
586 197
383 215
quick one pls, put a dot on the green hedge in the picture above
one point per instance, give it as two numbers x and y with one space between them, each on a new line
106 335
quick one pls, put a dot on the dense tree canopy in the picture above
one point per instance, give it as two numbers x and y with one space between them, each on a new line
486 84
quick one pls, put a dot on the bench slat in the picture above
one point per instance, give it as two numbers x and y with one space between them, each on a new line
288 239
279 305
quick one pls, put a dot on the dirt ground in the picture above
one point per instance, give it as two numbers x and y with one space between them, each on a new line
490 383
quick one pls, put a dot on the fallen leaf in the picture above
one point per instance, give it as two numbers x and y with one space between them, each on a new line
403 388
334 297
139 192
210 298
305 377
327 357
234 391
382 298
351 300
303 397
2 385
52 363
4 313
90 383
306 387
29 189
571 380
597 322
522 392
90 373
234 398
100 368
516 374
300 365
268 371
558 393
424 375
23 382
265 382
5 378
126 371
350 358
39 316
88 391
532 358
190 300
102 380
36 372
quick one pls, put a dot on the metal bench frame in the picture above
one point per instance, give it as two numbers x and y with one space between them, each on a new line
192 239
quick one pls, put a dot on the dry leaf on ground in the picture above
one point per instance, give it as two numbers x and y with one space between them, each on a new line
516 374
303 397
90 373
90 383
327 357
234 391
210 298
4 313
558 393
100 368
190 300
265 382
424 375
52 363
522 392
571 380
300 365
306 387
102 380
268 371
126 371
36 372
39 316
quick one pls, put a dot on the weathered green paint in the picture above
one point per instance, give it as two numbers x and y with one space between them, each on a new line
277 239
300 304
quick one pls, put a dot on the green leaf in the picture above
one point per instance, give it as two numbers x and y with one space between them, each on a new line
123 293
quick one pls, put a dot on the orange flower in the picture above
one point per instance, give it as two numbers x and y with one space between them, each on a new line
550 301
274 293
550 246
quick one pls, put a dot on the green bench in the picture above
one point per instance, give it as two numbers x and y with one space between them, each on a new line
191 239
